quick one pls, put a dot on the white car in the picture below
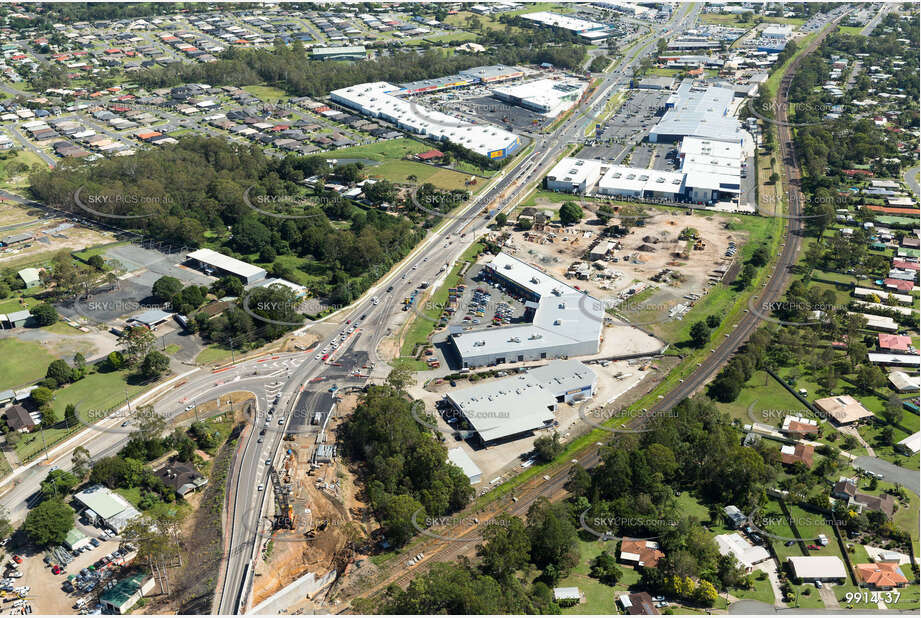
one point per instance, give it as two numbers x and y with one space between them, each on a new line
260 488
318 356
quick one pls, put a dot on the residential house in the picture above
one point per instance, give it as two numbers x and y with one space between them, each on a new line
640 552
181 477
638 604
881 575
843 409
19 419
734 515
797 453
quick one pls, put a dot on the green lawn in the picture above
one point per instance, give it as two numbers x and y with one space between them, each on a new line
93 395
599 598
269 94
213 354
400 171
21 362
771 402
760 591
380 151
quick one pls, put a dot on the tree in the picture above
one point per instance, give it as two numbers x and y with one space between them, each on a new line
570 213
553 538
49 522
893 411
747 275
97 262
165 288
60 372
136 341
44 314
604 569
59 483
115 360
227 286
605 213
506 547
713 321
548 447
501 219
155 364
774 178
80 461
400 377
397 518
869 377
700 334
42 396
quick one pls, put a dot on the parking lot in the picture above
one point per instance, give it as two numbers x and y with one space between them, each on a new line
629 125
82 578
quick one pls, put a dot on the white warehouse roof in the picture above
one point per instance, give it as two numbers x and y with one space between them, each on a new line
699 113
564 315
817 567
376 99
461 459
522 402
226 263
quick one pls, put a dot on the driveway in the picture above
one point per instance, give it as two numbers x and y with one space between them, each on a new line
911 179
770 567
892 473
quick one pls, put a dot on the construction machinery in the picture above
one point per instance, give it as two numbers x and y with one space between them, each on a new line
283 492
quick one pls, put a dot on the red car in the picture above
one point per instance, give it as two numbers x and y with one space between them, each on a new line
325 356
17 559
56 570
813 547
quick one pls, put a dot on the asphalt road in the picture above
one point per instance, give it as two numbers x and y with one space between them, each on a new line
892 473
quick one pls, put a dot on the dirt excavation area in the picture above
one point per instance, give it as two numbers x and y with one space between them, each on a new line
329 523
43 235
670 258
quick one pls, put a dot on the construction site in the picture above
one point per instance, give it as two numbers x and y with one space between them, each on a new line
668 258
313 523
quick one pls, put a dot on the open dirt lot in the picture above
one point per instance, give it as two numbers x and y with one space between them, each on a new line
643 254
73 238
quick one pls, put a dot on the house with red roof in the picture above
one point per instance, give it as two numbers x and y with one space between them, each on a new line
893 343
881 575
903 265
430 155
899 284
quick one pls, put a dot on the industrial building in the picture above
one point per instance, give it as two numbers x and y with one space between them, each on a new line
381 100
710 172
699 112
470 77
212 262
564 321
105 508
357 52
591 30
514 406
548 97
462 460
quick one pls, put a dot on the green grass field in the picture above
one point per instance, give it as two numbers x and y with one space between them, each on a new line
21 362
400 171
269 94
93 395
212 354
769 402
380 151
599 598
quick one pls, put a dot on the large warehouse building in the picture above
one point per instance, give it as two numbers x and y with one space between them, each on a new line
564 321
544 96
380 100
699 112
591 30
514 406
710 172
213 262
